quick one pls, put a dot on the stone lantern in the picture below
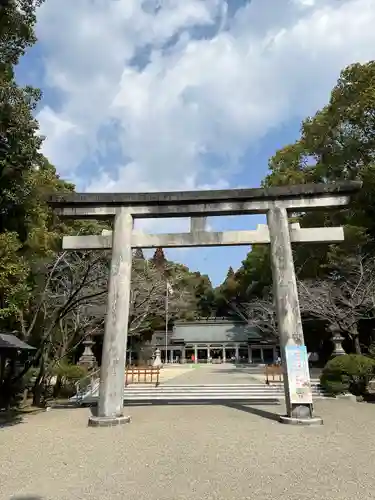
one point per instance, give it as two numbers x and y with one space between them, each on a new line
337 340
88 359
157 359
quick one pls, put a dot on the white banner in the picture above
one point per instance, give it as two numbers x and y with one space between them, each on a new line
298 374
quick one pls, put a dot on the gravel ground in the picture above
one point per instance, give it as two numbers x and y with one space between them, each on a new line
191 452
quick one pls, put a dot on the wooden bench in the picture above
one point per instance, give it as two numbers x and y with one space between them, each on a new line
146 375
274 371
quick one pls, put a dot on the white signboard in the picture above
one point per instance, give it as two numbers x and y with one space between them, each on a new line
298 374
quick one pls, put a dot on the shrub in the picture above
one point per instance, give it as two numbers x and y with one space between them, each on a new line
71 373
348 373
67 377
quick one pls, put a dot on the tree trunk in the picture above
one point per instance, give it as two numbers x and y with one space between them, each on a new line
38 385
57 386
37 393
357 346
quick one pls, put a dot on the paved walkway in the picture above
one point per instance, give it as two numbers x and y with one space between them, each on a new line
191 453
169 373
219 374
215 374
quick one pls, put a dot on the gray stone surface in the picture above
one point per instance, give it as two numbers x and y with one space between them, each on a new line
204 238
116 324
192 453
107 421
286 298
301 421
203 203
198 209
84 199
157 360
215 374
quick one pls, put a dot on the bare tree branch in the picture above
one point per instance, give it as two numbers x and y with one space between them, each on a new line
259 313
343 298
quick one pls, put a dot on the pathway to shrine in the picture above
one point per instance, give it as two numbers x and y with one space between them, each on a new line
217 374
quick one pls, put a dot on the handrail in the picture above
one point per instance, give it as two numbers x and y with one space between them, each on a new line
80 392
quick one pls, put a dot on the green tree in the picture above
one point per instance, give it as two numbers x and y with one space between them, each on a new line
23 214
159 258
14 271
336 144
19 141
17 23
138 254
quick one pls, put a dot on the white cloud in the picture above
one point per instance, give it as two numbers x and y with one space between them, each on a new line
194 107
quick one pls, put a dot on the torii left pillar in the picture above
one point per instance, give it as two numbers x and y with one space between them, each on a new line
111 389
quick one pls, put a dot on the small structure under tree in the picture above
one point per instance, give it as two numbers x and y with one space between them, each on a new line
13 354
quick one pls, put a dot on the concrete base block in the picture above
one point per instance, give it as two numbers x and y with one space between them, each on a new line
348 397
300 421
107 421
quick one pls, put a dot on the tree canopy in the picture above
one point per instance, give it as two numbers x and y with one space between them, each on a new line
336 144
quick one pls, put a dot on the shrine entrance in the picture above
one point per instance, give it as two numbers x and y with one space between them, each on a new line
216 354
278 203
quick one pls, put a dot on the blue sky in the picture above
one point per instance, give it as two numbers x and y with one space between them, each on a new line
186 94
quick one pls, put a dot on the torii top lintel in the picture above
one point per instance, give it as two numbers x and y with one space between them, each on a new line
203 203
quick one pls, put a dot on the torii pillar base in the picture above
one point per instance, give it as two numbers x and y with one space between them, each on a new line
108 421
300 421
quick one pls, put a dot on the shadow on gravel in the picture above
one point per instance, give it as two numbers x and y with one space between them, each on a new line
217 402
9 419
66 406
26 498
255 411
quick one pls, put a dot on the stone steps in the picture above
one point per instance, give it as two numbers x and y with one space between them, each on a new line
202 393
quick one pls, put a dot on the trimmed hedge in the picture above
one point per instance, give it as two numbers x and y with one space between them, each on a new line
348 373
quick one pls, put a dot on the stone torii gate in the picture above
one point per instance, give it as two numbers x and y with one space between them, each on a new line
276 202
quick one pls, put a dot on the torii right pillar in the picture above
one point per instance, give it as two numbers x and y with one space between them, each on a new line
298 394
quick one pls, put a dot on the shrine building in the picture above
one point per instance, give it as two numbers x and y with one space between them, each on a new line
216 340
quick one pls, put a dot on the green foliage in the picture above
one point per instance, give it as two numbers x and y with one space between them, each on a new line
348 373
71 373
14 271
19 153
336 144
67 377
17 24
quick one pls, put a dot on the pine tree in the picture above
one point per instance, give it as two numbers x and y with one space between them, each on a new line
138 254
159 258
230 273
